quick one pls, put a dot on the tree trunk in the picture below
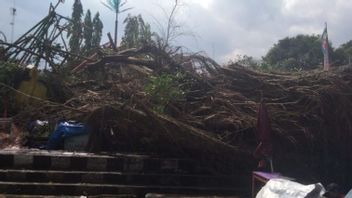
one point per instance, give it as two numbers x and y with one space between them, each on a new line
116 24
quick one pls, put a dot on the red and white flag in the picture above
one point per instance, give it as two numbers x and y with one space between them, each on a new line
264 150
325 48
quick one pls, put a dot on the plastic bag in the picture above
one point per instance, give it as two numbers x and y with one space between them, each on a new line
282 188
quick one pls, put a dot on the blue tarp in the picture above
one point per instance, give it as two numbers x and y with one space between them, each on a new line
62 131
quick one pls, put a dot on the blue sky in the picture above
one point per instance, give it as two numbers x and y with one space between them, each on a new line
220 28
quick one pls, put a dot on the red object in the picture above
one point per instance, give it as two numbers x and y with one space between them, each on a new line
261 164
264 134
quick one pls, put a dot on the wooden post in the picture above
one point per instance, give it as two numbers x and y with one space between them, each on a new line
112 42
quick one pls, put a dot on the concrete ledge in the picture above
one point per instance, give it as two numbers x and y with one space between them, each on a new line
43 176
76 189
56 160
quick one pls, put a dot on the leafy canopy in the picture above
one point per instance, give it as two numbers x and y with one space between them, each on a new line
88 33
137 32
299 52
343 54
75 28
97 31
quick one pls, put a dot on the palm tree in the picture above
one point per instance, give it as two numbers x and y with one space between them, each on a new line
115 5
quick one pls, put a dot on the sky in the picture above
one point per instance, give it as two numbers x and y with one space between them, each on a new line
221 29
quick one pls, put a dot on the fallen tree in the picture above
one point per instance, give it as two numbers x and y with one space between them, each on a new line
216 116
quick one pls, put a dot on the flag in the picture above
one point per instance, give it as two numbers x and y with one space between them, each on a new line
325 48
264 134
264 150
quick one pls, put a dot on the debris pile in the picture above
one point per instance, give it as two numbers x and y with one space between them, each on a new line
216 116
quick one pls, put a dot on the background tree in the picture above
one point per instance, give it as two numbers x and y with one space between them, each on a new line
137 32
115 6
88 33
170 31
172 27
246 61
97 31
10 74
343 54
75 28
300 52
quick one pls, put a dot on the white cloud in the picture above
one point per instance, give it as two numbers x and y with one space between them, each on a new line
203 3
304 29
232 55
221 28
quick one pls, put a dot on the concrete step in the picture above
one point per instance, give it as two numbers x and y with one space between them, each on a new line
11 175
60 160
77 189
58 196
154 195
44 173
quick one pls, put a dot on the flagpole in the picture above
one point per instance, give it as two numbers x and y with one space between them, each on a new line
326 50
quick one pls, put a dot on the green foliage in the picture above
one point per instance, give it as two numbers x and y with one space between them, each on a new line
97 31
75 28
265 67
8 74
164 89
343 54
137 32
88 33
246 61
300 52
92 33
